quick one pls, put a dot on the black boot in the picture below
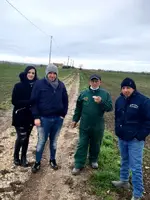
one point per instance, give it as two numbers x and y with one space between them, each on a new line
36 167
16 152
16 161
24 161
53 164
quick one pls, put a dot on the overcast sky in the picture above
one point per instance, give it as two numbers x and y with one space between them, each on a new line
105 34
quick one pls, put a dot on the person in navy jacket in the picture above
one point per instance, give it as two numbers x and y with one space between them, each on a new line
132 126
49 109
22 118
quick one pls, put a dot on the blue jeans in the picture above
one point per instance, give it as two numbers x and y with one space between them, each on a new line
131 159
50 127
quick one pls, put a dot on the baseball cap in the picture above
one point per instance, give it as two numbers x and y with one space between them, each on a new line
95 76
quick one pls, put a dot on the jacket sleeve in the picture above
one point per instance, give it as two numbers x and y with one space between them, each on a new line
65 101
107 104
115 113
78 109
16 101
34 100
144 131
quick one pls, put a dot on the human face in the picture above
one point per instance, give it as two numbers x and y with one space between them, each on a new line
127 91
31 74
52 76
95 83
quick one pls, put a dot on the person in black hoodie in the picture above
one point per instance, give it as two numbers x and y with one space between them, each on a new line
22 118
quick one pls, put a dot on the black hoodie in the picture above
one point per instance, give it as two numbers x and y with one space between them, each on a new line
21 99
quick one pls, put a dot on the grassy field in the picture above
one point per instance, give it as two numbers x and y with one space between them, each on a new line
111 81
109 158
9 76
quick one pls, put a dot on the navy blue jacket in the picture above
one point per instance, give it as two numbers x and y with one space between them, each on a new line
22 115
47 101
132 117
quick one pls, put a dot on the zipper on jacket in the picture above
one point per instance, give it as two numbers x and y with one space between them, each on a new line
19 110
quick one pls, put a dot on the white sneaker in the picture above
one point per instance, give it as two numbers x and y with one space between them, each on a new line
76 171
135 198
121 184
94 165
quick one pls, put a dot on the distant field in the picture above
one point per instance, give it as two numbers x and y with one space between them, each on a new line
9 76
111 80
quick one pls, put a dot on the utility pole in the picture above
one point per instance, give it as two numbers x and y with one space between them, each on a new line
68 60
50 49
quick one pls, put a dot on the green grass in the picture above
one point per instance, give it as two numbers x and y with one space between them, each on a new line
83 81
109 162
9 76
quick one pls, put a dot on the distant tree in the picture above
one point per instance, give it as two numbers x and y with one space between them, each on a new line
66 67
80 67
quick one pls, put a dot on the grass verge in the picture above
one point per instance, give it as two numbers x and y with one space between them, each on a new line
109 162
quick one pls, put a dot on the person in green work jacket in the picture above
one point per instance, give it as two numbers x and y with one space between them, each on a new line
90 108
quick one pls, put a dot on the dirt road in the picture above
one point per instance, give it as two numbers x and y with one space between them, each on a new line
20 183
60 185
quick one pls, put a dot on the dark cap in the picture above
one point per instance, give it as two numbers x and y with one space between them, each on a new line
128 82
95 76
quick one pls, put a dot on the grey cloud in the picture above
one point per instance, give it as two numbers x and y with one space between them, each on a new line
111 30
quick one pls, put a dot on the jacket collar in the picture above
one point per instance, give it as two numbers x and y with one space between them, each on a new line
133 94
94 90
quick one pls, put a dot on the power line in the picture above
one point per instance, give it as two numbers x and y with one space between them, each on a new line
68 60
55 43
51 37
27 18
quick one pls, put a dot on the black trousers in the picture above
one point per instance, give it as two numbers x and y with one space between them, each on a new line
22 141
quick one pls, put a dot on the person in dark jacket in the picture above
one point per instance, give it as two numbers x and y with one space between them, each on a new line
49 109
22 118
90 108
132 126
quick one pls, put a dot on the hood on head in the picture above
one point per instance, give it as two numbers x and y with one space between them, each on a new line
23 75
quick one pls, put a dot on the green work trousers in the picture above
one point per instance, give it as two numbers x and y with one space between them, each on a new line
88 139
